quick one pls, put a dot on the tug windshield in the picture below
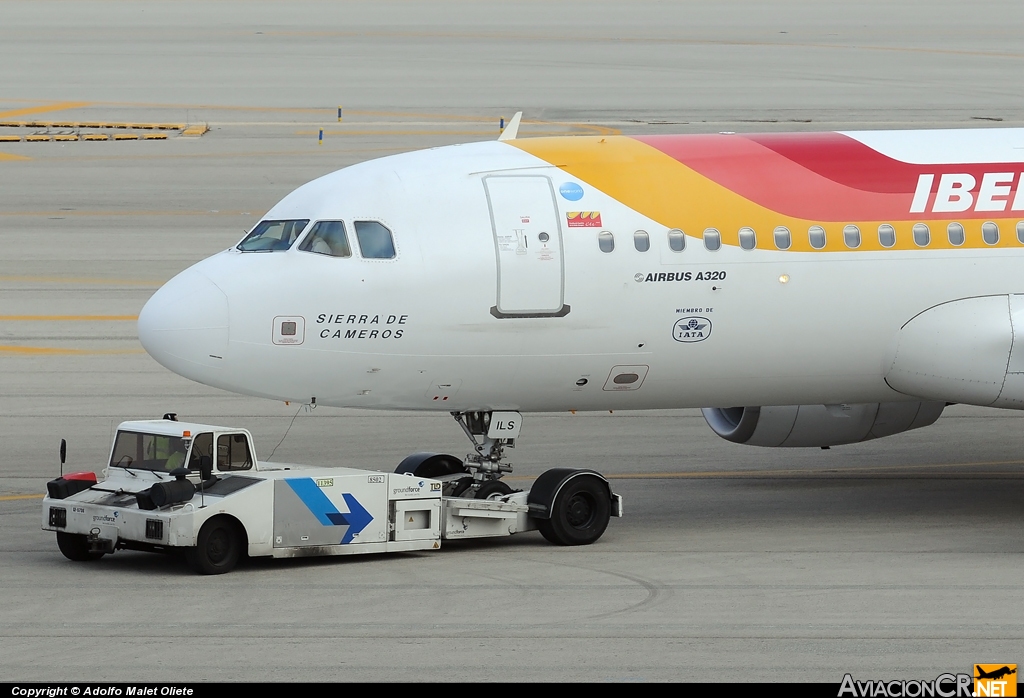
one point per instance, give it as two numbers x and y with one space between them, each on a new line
147 451
272 236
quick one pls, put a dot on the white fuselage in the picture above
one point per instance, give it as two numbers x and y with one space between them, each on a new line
467 317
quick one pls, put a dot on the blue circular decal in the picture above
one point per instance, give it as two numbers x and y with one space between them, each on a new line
571 191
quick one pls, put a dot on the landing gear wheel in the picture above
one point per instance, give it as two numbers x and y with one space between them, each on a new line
493 489
218 549
580 513
75 547
461 485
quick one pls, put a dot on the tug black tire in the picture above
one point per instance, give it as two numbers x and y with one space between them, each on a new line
218 548
579 514
75 546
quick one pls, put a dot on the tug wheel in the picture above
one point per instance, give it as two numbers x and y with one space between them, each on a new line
580 512
75 546
218 548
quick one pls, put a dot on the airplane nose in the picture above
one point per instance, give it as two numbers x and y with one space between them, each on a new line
184 326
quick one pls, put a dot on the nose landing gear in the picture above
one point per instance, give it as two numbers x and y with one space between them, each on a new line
490 433
478 476
568 506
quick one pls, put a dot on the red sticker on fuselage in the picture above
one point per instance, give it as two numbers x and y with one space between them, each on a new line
583 219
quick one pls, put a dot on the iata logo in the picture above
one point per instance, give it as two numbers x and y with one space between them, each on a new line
959 191
691 329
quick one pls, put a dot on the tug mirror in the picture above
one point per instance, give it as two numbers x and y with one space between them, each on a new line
205 467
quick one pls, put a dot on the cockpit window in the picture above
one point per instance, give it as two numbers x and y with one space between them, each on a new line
270 236
374 240
329 238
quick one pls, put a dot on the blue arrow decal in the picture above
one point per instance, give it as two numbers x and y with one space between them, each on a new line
326 513
357 517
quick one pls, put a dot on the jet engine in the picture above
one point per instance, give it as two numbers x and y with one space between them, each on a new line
819 425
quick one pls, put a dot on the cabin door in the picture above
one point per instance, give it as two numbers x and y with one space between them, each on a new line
528 244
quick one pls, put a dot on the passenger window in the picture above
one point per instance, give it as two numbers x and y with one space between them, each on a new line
327 238
1020 232
886 235
375 240
851 236
783 238
272 236
233 452
922 235
990 233
677 240
955 231
712 239
641 241
748 239
816 236
606 241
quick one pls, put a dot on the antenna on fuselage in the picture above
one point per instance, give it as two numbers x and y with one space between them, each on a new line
512 130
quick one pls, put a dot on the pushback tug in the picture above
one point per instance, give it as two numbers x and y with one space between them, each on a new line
199 489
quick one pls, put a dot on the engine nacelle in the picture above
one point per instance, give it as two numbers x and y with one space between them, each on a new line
819 425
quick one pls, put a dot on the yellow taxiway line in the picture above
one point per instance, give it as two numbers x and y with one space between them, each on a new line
422 132
77 280
58 106
62 318
880 471
57 351
142 212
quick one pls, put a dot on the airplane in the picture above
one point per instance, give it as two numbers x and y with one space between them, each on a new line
994 674
803 289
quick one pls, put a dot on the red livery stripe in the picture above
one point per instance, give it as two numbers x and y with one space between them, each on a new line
814 176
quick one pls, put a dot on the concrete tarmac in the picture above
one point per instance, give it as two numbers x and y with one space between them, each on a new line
892 559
